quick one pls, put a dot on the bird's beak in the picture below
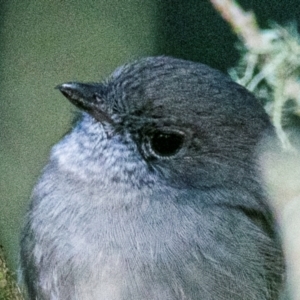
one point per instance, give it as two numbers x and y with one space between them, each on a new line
87 97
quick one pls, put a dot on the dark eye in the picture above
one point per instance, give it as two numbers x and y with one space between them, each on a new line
166 143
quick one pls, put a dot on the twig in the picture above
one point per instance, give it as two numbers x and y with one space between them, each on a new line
272 60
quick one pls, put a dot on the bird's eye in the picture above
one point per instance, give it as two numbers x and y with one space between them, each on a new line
165 144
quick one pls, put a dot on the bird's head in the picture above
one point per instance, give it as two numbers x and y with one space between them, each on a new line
182 122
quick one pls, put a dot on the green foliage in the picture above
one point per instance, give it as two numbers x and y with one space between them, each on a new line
271 70
9 289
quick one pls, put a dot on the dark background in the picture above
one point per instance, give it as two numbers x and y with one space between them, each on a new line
46 43
194 30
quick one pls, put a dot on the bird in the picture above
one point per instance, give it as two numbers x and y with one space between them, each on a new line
155 193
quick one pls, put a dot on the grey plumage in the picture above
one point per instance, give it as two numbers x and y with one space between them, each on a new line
155 194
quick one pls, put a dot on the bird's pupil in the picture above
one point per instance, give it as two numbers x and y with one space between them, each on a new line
166 144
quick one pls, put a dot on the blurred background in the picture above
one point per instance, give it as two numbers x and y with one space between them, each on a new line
44 43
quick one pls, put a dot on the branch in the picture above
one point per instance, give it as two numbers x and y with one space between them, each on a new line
271 62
